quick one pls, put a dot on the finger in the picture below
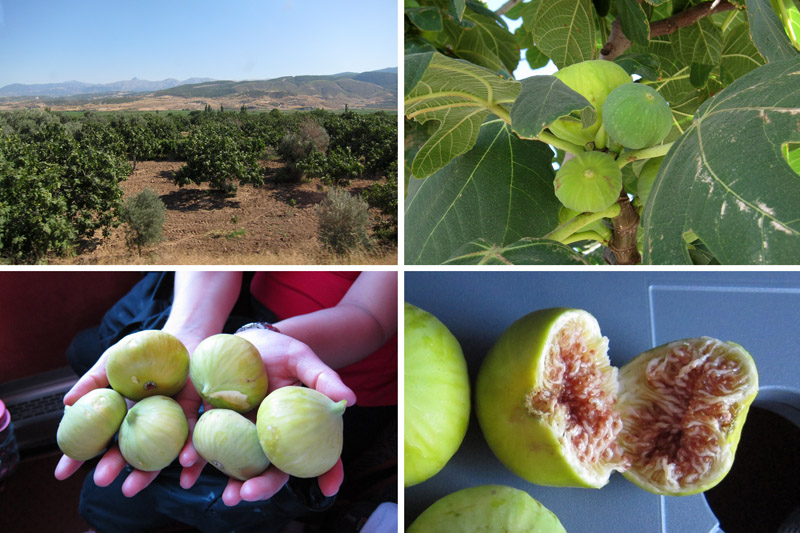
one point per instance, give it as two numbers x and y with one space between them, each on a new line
190 474
109 467
95 378
330 481
66 467
264 486
315 374
137 481
232 494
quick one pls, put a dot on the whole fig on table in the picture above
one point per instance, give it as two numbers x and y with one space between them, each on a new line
228 372
436 399
153 432
636 116
589 182
301 430
90 423
229 441
147 363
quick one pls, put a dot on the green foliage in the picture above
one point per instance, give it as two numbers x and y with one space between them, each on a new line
343 221
383 196
341 166
144 216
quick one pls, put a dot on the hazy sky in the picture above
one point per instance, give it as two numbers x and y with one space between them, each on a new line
104 41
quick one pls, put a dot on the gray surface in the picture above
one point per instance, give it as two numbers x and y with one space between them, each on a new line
636 311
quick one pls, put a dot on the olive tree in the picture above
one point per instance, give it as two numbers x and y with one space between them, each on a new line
670 133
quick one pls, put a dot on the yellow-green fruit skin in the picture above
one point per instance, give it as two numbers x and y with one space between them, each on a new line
437 395
635 390
228 372
147 363
229 442
488 509
301 430
526 444
589 182
90 423
153 432
636 116
594 80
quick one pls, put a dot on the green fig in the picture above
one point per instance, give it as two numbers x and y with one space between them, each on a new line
153 432
147 363
683 406
229 441
90 423
589 182
636 116
487 509
436 400
227 371
300 430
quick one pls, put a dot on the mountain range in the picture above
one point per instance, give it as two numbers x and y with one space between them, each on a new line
72 88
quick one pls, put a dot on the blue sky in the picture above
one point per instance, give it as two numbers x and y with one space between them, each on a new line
105 41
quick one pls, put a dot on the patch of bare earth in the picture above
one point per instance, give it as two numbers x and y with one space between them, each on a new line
274 224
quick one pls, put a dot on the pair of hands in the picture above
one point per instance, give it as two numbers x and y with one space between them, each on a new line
287 361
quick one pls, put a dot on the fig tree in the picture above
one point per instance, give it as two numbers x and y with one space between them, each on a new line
594 80
300 430
436 399
488 509
153 432
227 371
90 423
636 116
590 181
229 442
147 363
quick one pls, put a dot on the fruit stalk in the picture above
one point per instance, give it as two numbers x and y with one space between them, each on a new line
563 232
623 240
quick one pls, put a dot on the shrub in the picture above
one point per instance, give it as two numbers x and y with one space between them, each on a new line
343 221
144 215
383 196
341 166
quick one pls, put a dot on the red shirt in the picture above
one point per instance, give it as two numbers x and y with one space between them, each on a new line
288 294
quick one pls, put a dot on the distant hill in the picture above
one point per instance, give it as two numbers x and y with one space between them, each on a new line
73 88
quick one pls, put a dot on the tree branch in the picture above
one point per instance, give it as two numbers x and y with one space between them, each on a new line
617 42
502 10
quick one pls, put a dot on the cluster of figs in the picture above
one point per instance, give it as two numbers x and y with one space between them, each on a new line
298 430
628 116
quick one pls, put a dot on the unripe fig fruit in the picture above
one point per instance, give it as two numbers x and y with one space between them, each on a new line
229 441
598 226
147 363
90 423
647 175
300 430
594 80
590 181
636 116
153 432
436 400
545 398
227 371
489 509
683 405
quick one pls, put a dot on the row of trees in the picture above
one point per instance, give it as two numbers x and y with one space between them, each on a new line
60 174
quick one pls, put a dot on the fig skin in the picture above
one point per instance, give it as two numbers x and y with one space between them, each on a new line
147 363
589 182
436 395
636 116
487 508
527 444
229 441
228 372
153 432
637 393
301 430
90 423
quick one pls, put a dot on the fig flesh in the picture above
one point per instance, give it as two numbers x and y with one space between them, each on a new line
153 432
301 430
436 399
683 406
147 363
90 423
229 442
227 371
489 509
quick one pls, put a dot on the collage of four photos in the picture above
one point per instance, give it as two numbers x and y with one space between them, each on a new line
222 223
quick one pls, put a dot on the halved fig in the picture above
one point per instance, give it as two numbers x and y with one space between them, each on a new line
683 405
487 508
545 398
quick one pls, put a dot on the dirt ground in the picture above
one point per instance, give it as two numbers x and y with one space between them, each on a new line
274 224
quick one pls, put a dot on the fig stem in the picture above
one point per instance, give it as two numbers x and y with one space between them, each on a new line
573 225
787 24
561 144
586 236
645 153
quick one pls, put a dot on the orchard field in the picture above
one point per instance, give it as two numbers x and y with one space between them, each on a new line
204 187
